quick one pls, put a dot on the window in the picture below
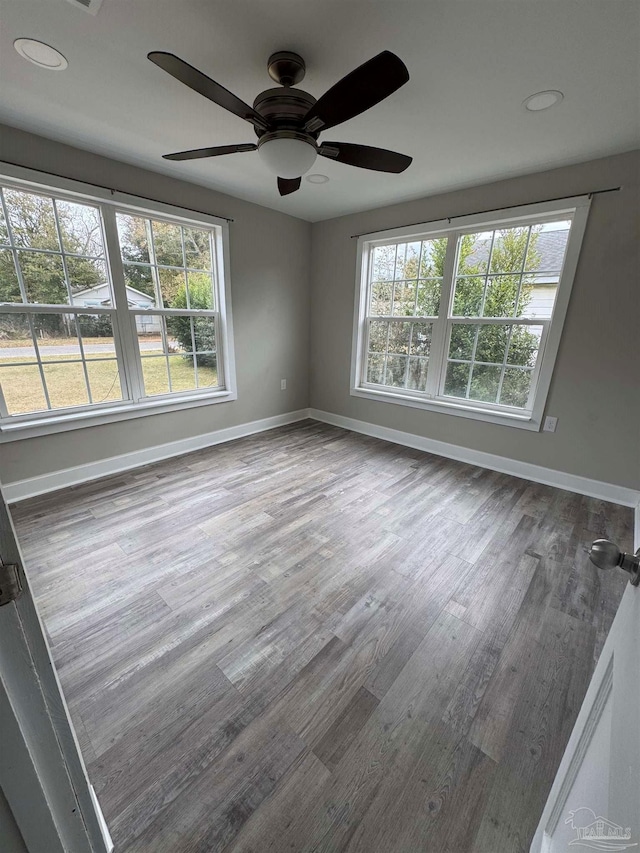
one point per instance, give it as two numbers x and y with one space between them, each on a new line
107 310
467 319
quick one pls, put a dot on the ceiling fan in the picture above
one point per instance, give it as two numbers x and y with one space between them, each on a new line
288 121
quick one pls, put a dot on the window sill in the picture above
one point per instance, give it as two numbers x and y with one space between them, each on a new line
524 421
63 422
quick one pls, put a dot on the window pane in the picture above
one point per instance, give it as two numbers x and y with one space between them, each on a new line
525 342
167 241
407 260
22 389
381 294
66 384
492 343
547 246
55 330
56 336
500 296
97 335
485 380
509 246
384 262
9 287
197 249
104 380
378 331
428 302
404 299
515 387
156 378
89 281
80 228
132 233
205 335
538 295
31 219
16 343
43 277
183 377
432 258
420 339
173 287
417 376
462 341
200 290
399 333
395 371
467 299
375 369
473 253
139 281
457 379
207 371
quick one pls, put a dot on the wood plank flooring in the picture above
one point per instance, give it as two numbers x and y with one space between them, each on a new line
310 640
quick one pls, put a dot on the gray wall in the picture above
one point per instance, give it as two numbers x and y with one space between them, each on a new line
595 391
270 299
11 840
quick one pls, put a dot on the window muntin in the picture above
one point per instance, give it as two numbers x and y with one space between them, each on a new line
66 344
489 313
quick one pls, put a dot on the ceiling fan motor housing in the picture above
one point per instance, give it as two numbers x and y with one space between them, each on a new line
284 109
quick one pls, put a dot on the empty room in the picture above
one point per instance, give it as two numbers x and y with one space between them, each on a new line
319 426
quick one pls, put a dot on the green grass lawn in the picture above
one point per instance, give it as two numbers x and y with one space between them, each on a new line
66 384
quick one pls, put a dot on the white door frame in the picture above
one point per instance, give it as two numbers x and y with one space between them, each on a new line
42 774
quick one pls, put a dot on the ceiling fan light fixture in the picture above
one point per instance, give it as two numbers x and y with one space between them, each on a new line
287 156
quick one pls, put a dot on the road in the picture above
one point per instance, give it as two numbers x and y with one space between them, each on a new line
69 349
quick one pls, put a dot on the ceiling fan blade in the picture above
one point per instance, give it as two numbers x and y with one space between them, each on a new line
363 88
288 185
199 153
378 159
199 82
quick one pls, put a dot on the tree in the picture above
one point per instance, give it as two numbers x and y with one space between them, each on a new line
203 327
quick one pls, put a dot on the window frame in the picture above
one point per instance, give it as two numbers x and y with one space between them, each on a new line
575 208
134 404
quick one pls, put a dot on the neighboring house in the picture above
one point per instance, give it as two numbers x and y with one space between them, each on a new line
100 295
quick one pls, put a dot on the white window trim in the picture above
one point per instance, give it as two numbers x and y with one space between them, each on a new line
577 207
61 420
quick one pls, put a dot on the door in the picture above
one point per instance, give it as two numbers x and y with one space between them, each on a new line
46 795
594 803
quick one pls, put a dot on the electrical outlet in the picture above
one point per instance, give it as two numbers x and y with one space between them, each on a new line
550 424
283 384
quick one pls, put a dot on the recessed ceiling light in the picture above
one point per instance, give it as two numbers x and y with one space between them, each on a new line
41 54
317 179
543 100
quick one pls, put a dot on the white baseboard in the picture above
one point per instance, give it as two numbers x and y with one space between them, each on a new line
20 490
526 470
108 842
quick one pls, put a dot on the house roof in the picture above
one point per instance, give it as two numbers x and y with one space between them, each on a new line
105 284
551 246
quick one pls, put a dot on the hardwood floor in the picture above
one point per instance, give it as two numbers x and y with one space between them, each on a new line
310 640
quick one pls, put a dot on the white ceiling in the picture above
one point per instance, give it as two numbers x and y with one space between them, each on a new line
472 63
